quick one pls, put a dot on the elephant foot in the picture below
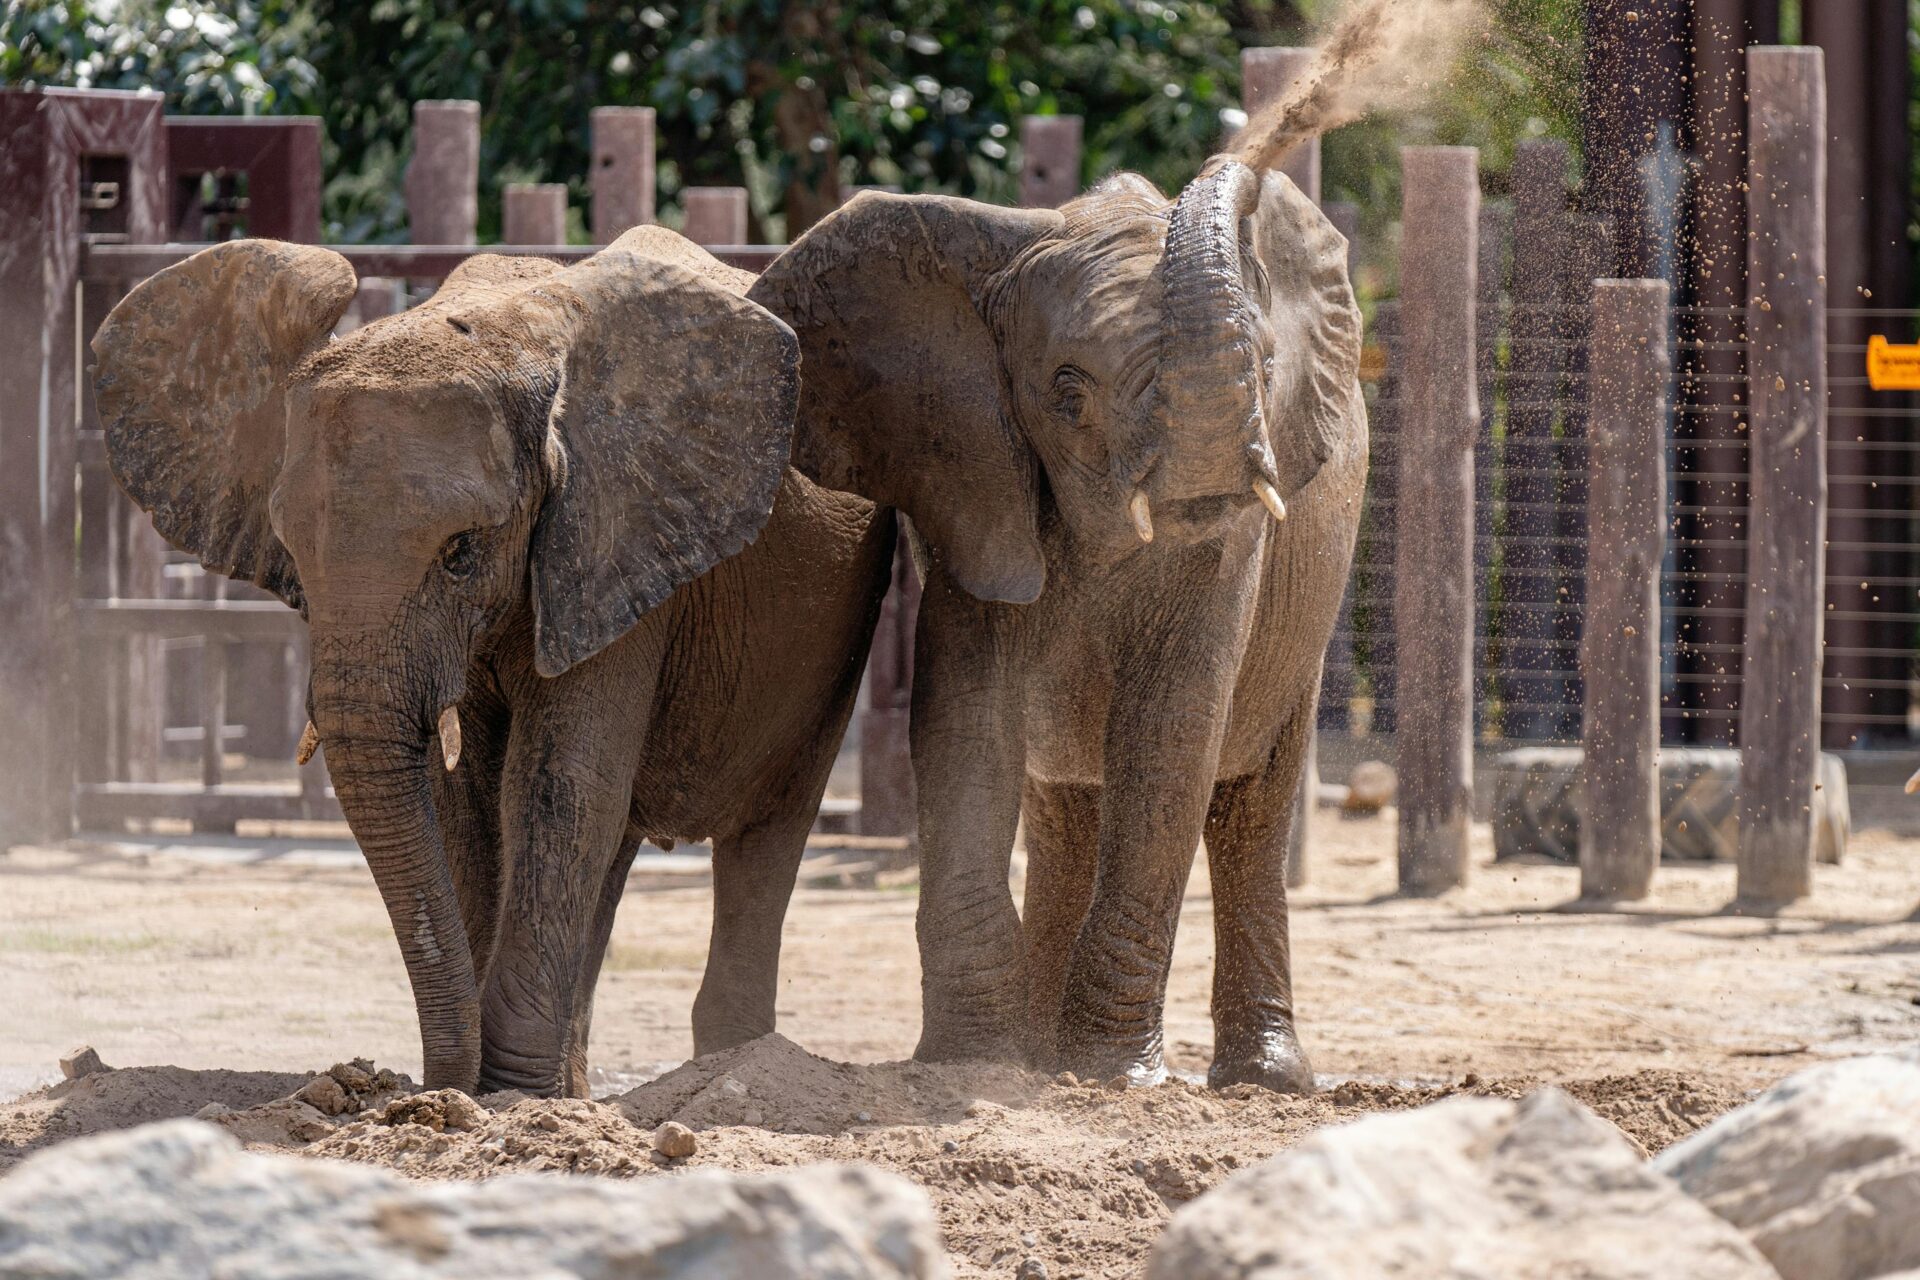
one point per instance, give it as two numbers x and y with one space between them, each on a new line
948 1046
1273 1060
1141 1066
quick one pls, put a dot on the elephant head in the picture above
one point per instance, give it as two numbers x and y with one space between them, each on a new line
556 448
1138 368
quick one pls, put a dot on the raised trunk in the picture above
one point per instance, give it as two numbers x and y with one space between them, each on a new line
1209 377
377 750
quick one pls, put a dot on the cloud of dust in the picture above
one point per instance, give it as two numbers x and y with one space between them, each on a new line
1374 55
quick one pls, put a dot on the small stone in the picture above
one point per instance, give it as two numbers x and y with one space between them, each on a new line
752 1115
1031 1269
980 1108
549 1123
863 1117
675 1141
950 1146
212 1110
1119 1084
324 1094
1067 1079
730 1086
1470 1081
82 1062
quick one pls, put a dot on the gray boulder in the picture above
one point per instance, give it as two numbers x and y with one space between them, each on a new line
1822 1171
182 1200
1466 1189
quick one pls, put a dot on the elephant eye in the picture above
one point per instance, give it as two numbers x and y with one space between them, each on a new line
1067 397
461 556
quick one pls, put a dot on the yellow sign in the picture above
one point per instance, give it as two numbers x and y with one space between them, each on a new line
1892 366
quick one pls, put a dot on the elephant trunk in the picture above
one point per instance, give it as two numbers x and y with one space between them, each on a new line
1211 371
377 748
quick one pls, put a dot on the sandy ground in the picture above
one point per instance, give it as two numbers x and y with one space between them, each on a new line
1661 1016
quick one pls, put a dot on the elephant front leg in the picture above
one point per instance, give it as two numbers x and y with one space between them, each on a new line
969 759
1173 687
571 756
1248 826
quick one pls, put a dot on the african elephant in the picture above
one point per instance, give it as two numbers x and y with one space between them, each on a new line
1130 437
507 516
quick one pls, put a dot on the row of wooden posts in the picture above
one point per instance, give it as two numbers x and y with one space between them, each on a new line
1439 427
1631 371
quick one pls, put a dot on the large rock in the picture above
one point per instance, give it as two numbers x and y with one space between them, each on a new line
181 1199
1539 793
1822 1171
1466 1189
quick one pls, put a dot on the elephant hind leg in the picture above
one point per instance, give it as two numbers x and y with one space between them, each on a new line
1249 821
753 875
1063 855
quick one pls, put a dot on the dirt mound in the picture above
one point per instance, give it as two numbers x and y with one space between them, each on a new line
1079 1177
1658 1108
121 1099
772 1083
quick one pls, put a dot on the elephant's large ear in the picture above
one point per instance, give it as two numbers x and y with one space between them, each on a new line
1314 386
669 436
902 401
191 381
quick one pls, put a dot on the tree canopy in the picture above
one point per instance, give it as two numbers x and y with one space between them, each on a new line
794 99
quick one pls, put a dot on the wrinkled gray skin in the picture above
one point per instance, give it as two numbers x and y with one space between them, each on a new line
1010 379
510 501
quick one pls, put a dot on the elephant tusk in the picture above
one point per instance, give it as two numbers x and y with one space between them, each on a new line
450 737
1142 512
309 743
1913 783
1270 496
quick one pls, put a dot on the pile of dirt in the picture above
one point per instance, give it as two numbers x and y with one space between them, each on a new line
772 1083
109 1100
1079 1177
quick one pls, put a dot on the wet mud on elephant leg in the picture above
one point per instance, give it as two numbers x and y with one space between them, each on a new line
1063 837
1248 825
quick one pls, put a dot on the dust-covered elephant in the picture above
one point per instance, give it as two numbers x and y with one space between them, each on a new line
507 515
1131 440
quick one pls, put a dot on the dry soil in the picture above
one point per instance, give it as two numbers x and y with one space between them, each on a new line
243 978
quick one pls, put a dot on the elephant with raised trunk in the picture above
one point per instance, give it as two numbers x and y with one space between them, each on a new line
1130 437
514 518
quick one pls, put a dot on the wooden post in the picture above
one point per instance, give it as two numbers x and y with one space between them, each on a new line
443 178
1496 238
1529 690
1626 531
1265 75
622 177
1434 552
1336 674
1589 258
715 215
533 213
1787 511
1049 160
75 164
1380 520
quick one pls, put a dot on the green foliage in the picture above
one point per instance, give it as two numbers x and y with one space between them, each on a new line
922 94
925 95
207 58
